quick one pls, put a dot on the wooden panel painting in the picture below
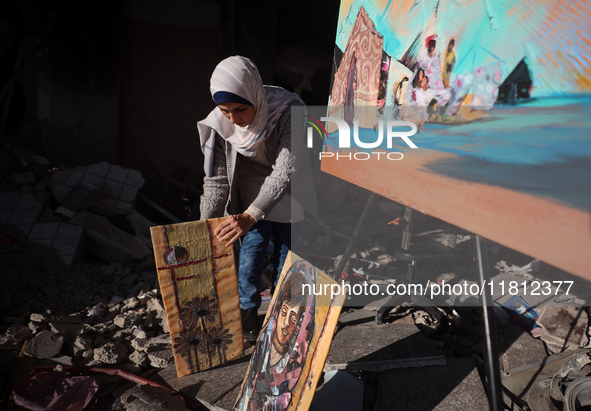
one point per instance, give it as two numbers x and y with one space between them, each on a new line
500 92
293 345
198 282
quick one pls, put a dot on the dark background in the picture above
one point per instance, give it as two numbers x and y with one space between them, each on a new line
126 81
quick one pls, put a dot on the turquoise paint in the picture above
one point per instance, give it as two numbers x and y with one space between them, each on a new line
508 30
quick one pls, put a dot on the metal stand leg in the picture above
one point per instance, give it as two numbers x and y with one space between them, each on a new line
349 250
493 376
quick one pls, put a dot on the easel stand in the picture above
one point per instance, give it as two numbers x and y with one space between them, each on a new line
433 254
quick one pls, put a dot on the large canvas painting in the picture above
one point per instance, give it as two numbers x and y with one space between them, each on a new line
499 92
198 282
293 345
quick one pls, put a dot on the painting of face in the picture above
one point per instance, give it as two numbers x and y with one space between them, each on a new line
286 326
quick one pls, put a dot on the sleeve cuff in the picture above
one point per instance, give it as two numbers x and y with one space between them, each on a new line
255 212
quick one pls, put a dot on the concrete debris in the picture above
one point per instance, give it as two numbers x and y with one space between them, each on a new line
128 319
44 345
117 187
564 327
148 398
110 242
527 271
16 334
110 353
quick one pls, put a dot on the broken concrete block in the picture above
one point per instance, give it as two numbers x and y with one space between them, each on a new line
115 310
83 341
63 237
122 335
35 327
119 186
128 320
19 209
139 358
153 305
110 353
131 303
161 358
139 333
159 342
44 345
564 327
16 334
109 241
140 344
148 398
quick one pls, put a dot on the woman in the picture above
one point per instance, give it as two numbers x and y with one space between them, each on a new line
249 162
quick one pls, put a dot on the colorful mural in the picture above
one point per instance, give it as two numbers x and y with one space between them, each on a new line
552 36
500 91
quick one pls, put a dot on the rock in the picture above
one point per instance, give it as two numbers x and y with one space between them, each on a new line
44 345
40 318
83 341
148 398
161 358
139 358
159 342
140 344
110 353
131 305
115 309
122 335
15 334
154 306
128 320
164 325
564 326
35 327
138 333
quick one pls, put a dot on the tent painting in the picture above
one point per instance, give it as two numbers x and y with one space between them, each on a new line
518 174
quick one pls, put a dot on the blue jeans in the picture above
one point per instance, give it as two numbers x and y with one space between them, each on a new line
252 259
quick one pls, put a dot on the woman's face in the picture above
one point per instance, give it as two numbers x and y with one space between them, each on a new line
238 113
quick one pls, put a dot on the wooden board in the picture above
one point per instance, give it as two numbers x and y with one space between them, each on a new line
289 355
198 282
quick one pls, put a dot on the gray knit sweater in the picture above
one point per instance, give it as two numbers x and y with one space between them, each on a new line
261 185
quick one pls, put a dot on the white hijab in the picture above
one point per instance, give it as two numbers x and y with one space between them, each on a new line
239 75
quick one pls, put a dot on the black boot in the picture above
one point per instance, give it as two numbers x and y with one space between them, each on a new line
250 324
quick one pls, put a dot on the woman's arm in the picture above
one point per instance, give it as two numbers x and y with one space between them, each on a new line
278 183
215 188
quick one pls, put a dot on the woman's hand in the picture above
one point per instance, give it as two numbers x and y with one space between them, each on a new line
234 227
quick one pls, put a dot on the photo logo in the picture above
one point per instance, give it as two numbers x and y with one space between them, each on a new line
318 126
392 129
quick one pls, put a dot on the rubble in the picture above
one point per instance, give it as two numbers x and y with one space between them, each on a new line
16 334
97 303
44 345
110 353
147 398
